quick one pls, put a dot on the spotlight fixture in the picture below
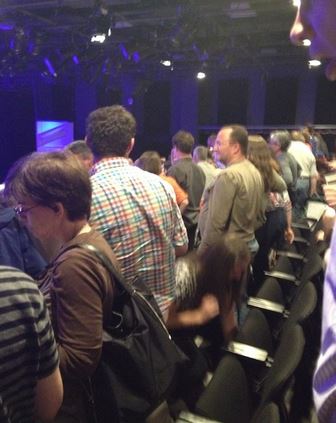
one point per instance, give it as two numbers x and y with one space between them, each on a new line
124 51
314 63
297 3
306 42
98 38
166 62
136 57
201 75
75 59
6 26
50 67
101 25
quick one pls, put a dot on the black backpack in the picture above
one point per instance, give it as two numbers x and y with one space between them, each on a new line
139 360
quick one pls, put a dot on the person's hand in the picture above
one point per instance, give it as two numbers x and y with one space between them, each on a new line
328 220
209 307
330 195
289 235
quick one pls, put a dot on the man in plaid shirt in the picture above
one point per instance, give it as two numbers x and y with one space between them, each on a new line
136 211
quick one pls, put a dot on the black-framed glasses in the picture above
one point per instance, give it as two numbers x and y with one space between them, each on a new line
19 210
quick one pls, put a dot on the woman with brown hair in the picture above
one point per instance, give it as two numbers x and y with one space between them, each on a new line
53 196
210 285
277 224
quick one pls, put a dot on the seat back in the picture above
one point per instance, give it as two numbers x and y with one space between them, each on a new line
283 264
313 268
227 397
303 304
286 359
267 414
271 291
256 331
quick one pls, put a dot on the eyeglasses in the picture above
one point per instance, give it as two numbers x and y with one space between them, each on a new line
19 210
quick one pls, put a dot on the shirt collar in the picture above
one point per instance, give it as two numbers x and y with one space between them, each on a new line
109 163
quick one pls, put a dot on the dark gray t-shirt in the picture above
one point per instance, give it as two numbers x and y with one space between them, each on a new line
192 179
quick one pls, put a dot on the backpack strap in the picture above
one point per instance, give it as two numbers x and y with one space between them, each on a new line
106 262
138 287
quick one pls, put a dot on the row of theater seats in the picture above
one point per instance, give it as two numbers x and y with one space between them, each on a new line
265 374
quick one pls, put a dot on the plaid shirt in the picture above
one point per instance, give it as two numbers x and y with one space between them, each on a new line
137 214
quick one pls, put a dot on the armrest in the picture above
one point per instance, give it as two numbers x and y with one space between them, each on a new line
299 225
247 351
265 305
187 417
282 276
312 223
301 240
291 255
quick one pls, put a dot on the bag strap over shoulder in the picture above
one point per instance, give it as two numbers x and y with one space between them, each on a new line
117 276
139 288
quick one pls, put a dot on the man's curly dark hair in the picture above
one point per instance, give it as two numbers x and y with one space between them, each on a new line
109 131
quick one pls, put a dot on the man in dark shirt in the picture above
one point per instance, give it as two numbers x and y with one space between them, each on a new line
190 177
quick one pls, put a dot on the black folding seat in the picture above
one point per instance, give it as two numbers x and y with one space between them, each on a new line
227 397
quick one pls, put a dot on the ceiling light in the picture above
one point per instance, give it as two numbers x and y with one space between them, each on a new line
166 63
6 26
136 57
306 42
314 63
124 51
50 67
98 38
297 3
201 75
75 59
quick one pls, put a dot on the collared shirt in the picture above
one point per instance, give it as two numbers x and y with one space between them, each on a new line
234 204
137 214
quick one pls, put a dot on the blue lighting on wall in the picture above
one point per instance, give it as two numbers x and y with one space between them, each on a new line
53 135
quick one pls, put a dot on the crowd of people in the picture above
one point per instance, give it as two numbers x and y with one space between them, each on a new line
189 234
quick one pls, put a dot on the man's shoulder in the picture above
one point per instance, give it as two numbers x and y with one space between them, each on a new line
16 286
242 167
240 172
128 179
9 274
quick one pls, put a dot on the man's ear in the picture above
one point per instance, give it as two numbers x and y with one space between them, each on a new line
58 208
130 147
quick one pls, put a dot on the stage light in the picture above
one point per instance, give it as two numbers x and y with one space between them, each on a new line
201 75
136 57
75 59
6 26
314 63
98 38
306 42
166 63
297 3
124 51
50 67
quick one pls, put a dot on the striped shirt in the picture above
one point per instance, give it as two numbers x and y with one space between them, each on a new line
137 214
324 381
27 346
